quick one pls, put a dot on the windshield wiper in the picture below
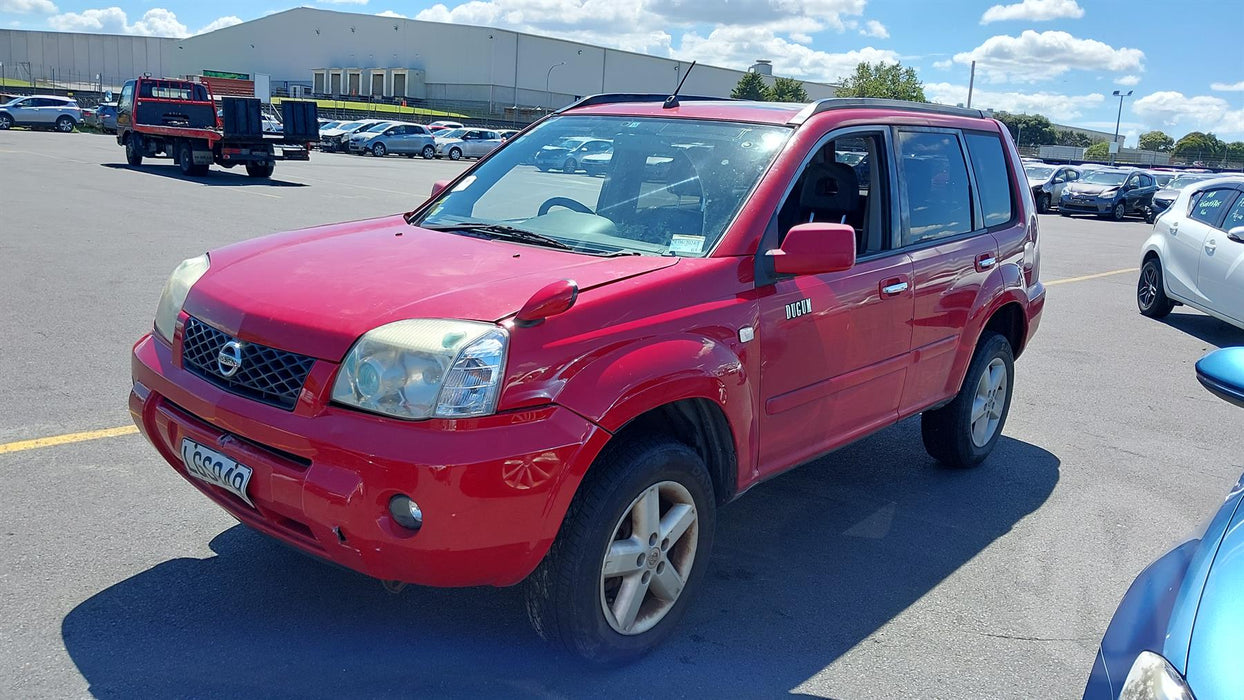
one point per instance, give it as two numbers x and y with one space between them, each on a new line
504 232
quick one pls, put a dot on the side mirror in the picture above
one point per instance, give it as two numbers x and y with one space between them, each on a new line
1222 372
815 248
550 300
108 96
1236 234
439 187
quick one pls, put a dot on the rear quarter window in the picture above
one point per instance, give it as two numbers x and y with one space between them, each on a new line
993 179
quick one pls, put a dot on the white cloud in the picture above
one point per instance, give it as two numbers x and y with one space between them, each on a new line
112 20
23 7
1034 56
220 23
1057 107
874 28
1127 80
1227 87
391 13
1170 110
738 46
943 65
1034 11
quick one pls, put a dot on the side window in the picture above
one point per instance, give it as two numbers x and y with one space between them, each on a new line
845 183
993 179
127 94
1235 217
1146 181
934 181
1208 209
1133 181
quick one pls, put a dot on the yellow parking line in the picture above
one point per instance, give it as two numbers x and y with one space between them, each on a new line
54 440
1051 283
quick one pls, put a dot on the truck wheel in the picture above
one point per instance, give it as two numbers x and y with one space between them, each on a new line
429 152
65 124
963 432
185 161
379 150
260 170
455 154
632 550
6 121
1151 292
133 150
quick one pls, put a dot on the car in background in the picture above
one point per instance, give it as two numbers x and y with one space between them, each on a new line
1178 633
456 144
444 125
569 152
41 112
1111 193
1048 182
656 168
1195 255
507 134
271 125
1163 197
335 139
106 116
351 144
402 138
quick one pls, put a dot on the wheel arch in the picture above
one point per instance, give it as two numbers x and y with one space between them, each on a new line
700 424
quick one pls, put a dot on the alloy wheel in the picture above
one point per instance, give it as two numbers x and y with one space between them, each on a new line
989 402
1148 288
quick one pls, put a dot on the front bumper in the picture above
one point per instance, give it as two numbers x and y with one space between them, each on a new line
1091 205
493 490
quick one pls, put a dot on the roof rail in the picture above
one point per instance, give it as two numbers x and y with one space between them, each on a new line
612 98
833 103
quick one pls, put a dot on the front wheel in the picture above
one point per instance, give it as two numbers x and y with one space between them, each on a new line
133 153
1043 204
1151 296
1149 216
570 166
429 152
65 124
963 432
455 154
379 150
6 122
631 552
1119 211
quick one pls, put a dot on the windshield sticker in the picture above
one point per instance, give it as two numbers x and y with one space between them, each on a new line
464 184
683 243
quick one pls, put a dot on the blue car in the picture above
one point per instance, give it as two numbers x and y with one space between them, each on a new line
1111 193
1178 634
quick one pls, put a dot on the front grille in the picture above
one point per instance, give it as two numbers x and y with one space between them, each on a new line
266 374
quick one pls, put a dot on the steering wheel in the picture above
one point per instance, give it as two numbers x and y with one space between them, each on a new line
566 202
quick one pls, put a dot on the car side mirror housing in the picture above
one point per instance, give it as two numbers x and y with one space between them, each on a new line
815 248
439 187
1222 372
1236 234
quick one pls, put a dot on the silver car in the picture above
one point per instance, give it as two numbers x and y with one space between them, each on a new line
42 112
402 138
466 143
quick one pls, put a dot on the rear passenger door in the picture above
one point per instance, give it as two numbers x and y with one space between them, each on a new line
1220 274
947 234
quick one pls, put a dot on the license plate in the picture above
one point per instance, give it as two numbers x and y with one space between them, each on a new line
216 469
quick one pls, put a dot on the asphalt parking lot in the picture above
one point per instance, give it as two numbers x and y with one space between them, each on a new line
871 573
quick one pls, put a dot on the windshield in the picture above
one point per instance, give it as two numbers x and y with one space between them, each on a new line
1181 181
1162 179
329 125
1104 177
453 134
1038 172
378 127
671 187
349 125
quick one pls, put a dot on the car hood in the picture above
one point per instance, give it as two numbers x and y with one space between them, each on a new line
316 291
1081 188
551 151
1217 643
1037 181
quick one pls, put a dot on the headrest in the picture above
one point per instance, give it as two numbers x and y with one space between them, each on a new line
830 186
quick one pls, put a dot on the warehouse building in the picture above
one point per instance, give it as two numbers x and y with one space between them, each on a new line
311 51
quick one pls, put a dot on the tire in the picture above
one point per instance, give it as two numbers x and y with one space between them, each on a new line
379 150
455 154
1149 217
1119 212
6 121
256 170
1064 213
428 152
567 595
185 159
133 153
65 124
1043 204
1151 296
950 435
570 167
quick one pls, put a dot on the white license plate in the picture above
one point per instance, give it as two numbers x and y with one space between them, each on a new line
216 469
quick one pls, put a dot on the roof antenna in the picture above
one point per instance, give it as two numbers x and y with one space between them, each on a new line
672 101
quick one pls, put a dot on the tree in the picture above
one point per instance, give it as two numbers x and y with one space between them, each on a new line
1098 151
786 90
1028 129
1235 153
889 80
1067 137
1199 146
750 87
1156 141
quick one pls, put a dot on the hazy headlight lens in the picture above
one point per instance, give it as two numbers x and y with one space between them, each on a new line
424 368
174 294
1152 678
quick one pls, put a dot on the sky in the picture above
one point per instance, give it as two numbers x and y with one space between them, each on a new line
1183 61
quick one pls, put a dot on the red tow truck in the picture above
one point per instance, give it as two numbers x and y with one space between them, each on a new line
180 119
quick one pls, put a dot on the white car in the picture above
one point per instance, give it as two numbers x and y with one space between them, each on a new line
1047 182
1195 255
445 124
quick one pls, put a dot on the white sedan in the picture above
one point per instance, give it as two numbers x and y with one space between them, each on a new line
1195 255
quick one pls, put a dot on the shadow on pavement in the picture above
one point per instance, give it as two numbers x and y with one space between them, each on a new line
216 177
1207 328
806 566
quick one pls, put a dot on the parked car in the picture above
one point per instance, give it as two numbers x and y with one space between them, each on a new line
552 380
352 143
1178 633
567 154
402 138
506 134
1048 182
271 125
41 112
1163 197
106 116
466 143
442 125
1111 193
335 139
1195 255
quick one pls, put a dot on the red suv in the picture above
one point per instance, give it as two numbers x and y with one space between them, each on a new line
559 378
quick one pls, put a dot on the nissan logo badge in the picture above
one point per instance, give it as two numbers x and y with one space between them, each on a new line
229 361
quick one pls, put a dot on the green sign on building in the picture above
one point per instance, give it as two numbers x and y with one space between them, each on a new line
225 74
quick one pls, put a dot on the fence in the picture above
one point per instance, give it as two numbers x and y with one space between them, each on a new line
1135 157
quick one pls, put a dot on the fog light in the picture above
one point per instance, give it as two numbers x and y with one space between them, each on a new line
406 512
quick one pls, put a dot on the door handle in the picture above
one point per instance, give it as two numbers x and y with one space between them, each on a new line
894 287
1210 246
1175 228
984 261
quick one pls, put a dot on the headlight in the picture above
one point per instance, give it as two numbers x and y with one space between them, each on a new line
174 294
1152 678
1109 194
425 368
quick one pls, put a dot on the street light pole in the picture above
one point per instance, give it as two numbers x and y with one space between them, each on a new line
1117 120
548 95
